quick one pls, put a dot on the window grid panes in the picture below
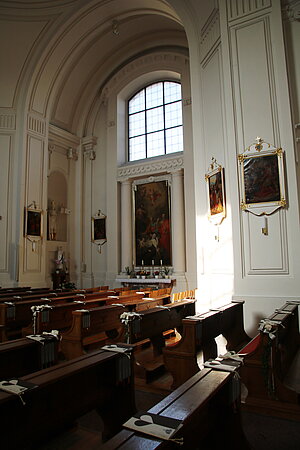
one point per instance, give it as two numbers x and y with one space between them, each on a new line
155 121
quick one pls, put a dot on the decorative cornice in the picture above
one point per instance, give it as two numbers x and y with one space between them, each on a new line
241 8
148 167
292 11
62 137
36 125
8 121
164 60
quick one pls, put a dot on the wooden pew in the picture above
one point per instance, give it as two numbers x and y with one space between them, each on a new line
59 317
17 315
209 414
197 340
12 289
139 303
92 327
14 316
29 296
151 325
100 380
198 344
271 366
99 325
22 292
23 356
232 325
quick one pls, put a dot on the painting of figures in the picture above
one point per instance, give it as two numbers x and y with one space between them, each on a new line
216 200
261 179
152 224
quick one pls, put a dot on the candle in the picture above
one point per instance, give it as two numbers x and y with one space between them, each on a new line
142 262
161 262
152 262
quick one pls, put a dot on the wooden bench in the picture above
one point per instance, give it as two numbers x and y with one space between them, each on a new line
92 327
197 344
59 317
20 357
271 366
100 380
151 325
22 292
210 417
17 315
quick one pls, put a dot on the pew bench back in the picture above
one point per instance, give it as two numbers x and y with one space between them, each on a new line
200 403
62 394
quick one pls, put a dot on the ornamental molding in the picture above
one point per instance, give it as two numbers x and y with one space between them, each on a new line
165 165
291 11
237 9
210 34
63 138
162 60
88 144
36 125
8 121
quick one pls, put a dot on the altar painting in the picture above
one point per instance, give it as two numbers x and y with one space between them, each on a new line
152 234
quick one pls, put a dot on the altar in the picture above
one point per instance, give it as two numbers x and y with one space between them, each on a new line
141 283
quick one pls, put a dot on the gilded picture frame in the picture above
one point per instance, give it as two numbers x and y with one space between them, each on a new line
216 193
262 177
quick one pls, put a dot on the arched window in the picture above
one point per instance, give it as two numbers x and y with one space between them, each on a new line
155 121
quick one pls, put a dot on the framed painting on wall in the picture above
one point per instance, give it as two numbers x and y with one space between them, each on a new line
216 193
33 223
262 177
152 223
99 228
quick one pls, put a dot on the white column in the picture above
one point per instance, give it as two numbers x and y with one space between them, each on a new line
89 154
178 227
126 224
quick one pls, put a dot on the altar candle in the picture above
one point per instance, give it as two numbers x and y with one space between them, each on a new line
142 262
161 262
152 262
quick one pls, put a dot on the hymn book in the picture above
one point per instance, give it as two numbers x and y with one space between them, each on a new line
16 386
153 425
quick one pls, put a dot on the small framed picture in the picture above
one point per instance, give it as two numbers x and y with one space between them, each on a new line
262 177
99 228
216 193
33 223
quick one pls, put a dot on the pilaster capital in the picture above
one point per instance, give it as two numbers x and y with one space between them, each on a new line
292 11
51 148
176 173
126 182
88 144
72 154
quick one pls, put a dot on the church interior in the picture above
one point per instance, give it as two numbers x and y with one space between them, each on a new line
150 203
